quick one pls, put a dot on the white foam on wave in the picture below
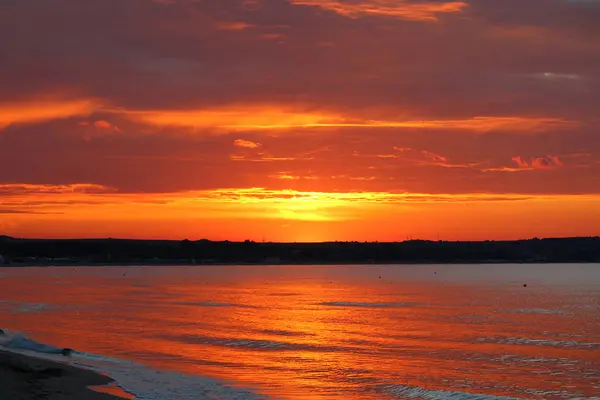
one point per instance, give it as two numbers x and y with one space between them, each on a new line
411 392
19 342
137 379
151 384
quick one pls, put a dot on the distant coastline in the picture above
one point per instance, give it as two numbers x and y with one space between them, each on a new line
16 252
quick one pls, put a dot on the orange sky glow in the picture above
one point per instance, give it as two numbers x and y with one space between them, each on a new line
300 120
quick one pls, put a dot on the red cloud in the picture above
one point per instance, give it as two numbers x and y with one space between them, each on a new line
101 124
557 162
521 163
548 162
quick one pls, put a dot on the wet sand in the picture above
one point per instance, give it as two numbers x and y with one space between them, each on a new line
28 378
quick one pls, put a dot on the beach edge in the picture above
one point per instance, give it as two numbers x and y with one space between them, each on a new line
25 377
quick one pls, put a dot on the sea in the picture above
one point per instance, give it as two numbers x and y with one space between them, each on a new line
431 332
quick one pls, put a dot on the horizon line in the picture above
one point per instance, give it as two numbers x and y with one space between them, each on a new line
298 242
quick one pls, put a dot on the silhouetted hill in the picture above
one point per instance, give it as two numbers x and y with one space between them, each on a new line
126 251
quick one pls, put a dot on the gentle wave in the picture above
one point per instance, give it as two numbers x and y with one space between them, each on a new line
366 305
411 392
212 304
246 343
535 311
541 342
278 332
284 294
23 307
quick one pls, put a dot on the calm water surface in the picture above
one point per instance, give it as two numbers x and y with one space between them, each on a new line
326 332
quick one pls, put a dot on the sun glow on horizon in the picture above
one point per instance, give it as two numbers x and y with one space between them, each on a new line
89 210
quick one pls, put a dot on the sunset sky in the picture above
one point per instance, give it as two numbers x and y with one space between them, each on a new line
300 120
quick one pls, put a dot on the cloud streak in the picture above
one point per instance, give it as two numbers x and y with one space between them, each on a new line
12 189
530 164
246 144
39 111
427 11
248 118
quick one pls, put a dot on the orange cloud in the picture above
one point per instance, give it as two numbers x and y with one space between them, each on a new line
425 158
288 177
263 117
101 124
36 111
233 26
483 124
424 11
262 157
257 117
26 188
246 143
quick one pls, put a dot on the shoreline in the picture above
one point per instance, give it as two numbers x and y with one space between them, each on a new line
102 252
24 377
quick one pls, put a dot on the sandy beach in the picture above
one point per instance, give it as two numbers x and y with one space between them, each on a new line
29 378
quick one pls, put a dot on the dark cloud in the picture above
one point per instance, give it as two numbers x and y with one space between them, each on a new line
143 54
563 16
